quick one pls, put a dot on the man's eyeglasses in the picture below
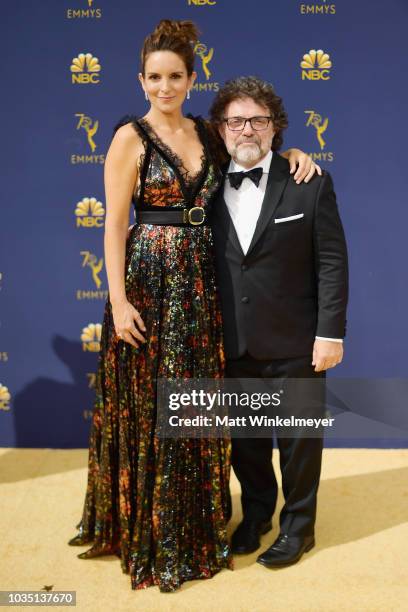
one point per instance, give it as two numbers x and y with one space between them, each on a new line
237 124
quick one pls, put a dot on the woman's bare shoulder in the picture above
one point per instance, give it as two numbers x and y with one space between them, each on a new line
126 134
126 143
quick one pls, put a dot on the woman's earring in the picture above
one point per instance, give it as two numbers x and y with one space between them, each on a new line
146 96
188 94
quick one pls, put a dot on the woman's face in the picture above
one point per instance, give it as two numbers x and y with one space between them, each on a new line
166 81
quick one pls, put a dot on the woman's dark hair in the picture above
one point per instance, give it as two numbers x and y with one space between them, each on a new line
262 93
171 35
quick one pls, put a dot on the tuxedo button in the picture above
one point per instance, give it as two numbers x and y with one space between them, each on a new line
245 299
244 267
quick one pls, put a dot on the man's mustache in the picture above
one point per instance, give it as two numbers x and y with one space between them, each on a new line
248 140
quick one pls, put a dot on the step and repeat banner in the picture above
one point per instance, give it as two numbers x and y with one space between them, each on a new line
69 73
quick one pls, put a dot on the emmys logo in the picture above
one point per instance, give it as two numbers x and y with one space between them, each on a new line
5 398
89 212
91 376
206 55
85 69
316 65
88 13
320 125
95 266
91 337
91 261
90 128
318 9
85 123
201 2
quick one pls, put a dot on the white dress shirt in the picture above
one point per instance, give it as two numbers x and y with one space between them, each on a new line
244 205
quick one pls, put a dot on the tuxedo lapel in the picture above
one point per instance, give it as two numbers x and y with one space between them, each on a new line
277 180
224 218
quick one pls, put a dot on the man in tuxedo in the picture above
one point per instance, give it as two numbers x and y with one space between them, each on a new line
283 278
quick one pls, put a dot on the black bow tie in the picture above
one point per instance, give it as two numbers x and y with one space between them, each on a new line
236 178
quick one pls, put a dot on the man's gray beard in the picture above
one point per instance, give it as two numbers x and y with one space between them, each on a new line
247 154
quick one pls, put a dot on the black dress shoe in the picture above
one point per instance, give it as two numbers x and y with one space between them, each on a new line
98 551
245 538
286 550
79 540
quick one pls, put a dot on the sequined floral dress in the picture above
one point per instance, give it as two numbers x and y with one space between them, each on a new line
161 505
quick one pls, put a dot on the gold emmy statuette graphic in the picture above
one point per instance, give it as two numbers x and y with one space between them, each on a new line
315 65
91 337
90 2
85 69
89 212
96 266
320 126
5 398
206 56
85 123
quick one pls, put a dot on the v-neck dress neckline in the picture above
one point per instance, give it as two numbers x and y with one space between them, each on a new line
189 183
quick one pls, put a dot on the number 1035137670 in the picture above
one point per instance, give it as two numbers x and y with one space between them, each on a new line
38 598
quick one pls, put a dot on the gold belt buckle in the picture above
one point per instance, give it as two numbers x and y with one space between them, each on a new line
188 215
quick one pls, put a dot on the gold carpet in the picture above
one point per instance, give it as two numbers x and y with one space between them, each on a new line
359 564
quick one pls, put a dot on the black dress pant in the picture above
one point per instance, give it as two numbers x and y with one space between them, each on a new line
300 457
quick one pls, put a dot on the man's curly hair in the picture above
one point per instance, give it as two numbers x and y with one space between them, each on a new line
261 92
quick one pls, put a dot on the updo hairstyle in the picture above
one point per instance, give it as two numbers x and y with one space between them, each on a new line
170 35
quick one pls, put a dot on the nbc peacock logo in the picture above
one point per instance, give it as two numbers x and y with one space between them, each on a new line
89 212
316 66
5 398
91 337
85 69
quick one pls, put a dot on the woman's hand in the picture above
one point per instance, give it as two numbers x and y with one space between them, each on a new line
306 167
125 316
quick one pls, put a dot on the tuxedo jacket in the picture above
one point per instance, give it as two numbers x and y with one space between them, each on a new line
292 284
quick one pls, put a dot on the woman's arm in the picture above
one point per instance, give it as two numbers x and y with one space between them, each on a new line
120 177
306 167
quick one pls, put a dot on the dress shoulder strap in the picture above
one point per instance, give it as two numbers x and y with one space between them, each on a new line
133 120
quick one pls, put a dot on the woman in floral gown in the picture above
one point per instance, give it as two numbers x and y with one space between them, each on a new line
160 504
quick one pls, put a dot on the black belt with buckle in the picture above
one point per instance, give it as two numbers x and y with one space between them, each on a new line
184 216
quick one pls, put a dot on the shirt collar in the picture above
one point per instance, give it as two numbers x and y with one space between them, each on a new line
264 163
